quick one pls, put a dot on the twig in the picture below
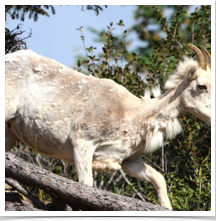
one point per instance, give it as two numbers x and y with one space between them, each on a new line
38 160
162 156
172 34
123 48
83 39
193 32
119 178
110 179
153 163
128 182
166 67
206 188
95 181
148 74
26 193
143 194
17 46
170 187
101 183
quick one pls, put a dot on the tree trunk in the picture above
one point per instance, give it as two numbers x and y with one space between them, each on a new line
66 192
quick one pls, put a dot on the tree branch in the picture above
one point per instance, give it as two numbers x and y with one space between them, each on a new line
71 192
25 192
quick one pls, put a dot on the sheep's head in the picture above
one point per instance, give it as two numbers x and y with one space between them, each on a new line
198 100
194 89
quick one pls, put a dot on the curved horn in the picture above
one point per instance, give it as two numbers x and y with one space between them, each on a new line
208 57
201 59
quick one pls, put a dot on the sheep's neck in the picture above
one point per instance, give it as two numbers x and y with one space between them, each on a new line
163 108
158 118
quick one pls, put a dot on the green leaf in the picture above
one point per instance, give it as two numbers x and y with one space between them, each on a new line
120 23
78 63
79 28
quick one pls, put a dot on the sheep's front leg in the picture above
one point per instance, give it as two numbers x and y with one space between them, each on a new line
83 155
138 168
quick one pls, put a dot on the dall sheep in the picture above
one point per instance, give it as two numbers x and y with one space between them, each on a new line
95 123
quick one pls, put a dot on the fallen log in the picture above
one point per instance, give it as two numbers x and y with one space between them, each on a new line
67 192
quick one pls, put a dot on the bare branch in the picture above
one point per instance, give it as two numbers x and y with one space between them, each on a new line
26 193
71 192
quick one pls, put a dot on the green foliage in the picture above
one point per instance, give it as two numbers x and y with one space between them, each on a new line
190 172
187 158
12 40
20 11
96 8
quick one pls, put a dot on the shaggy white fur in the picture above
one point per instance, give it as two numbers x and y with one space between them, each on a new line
155 136
156 91
147 95
183 67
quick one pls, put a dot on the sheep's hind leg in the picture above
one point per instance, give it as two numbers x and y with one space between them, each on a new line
138 168
11 139
83 155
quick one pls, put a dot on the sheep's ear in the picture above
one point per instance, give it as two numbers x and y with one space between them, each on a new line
192 73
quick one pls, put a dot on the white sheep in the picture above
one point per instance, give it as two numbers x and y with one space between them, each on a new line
97 124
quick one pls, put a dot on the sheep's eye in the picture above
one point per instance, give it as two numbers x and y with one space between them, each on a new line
202 87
